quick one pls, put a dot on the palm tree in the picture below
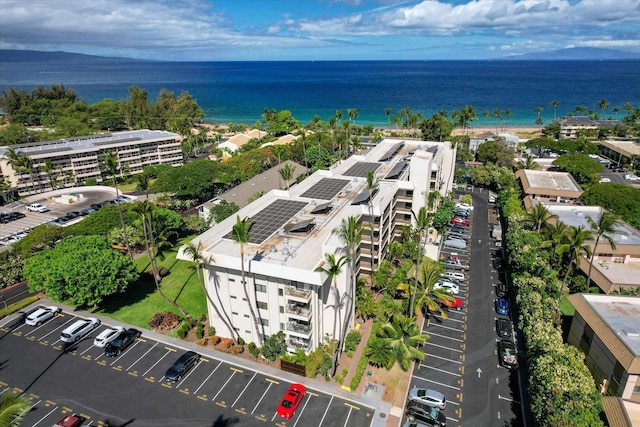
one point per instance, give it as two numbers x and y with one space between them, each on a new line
13 408
372 183
350 232
388 111
554 104
194 253
50 169
528 163
240 234
427 274
286 173
333 270
603 104
540 216
422 223
379 352
144 209
110 166
403 335
352 113
143 181
576 245
556 235
607 226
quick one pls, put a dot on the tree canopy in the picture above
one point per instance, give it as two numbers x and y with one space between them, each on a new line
191 179
620 199
497 152
82 270
583 168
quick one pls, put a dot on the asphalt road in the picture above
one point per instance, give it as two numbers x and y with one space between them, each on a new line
129 390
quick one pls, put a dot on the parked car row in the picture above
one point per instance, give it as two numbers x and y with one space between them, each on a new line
14 237
426 405
507 350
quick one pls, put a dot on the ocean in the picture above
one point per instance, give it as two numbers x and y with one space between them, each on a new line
238 92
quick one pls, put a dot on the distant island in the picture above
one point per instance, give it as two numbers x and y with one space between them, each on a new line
570 54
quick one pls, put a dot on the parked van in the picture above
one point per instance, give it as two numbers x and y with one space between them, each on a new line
79 329
454 275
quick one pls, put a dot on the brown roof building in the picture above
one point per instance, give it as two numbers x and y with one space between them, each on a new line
607 329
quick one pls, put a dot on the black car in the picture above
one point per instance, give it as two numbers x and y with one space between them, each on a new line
508 354
502 290
121 342
504 328
13 216
181 366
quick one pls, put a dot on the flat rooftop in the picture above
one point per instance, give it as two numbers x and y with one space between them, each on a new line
86 142
575 215
629 148
618 273
545 180
621 314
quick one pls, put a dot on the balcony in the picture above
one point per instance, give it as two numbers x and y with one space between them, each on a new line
292 291
297 344
300 329
299 310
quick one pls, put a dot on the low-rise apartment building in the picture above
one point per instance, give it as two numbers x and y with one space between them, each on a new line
623 153
293 230
571 126
78 159
546 186
607 329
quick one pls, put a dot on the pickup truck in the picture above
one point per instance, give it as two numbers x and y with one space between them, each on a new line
37 207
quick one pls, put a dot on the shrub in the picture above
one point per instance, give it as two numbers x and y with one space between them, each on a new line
357 377
163 271
182 331
339 378
211 331
202 341
199 331
228 342
236 349
240 340
254 349
352 340
215 340
164 321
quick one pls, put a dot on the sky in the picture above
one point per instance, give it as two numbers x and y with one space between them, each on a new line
277 30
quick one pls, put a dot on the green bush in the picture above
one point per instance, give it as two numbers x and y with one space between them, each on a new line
182 332
362 366
240 340
352 340
254 350
211 331
199 331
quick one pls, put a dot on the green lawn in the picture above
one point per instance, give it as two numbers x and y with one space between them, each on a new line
141 301
566 307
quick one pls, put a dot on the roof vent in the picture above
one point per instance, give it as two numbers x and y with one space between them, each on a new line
631 333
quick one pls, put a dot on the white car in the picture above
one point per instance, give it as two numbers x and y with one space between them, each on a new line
107 336
37 207
450 288
602 180
465 206
41 315
79 329
454 275
631 177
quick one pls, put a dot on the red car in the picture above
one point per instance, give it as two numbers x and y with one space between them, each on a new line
457 303
70 421
456 220
291 400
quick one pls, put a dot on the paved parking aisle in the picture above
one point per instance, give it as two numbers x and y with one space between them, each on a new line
63 379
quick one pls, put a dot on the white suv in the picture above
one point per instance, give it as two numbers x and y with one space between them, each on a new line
37 207
79 329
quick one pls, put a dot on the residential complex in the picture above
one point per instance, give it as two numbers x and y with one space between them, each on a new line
607 329
293 230
571 126
546 186
78 159
620 152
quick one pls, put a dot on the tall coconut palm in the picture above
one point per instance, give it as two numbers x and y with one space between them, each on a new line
575 245
13 408
422 223
143 181
427 274
403 335
240 234
193 252
286 173
388 111
554 104
372 184
606 226
350 232
540 216
110 166
556 235
333 270
528 163
51 169
144 209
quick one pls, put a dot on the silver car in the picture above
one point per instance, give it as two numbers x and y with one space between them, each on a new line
428 396
41 315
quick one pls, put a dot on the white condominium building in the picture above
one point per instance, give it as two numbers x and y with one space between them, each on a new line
78 159
292 232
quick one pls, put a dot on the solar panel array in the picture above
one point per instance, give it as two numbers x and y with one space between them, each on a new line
270 219
113 141
360 169
325 189
392 152
397 170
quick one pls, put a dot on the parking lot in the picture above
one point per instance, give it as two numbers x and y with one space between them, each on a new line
130 389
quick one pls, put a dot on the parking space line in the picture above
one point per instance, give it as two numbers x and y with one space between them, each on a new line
40 420
443 358
244 389
225 384
159 360
188 375
262 397
301 412
444 336
445 327
447 348
438 369
209 376
63 325
123 354
346 422
154 346
435 382
326 410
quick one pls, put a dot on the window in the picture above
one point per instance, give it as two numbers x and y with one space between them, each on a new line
281 309
232 280
264 322
234 297
636 389
262 305
246 315
234 312
282 326
261 288
280 292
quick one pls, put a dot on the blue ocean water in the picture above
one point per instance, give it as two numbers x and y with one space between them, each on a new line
238 92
